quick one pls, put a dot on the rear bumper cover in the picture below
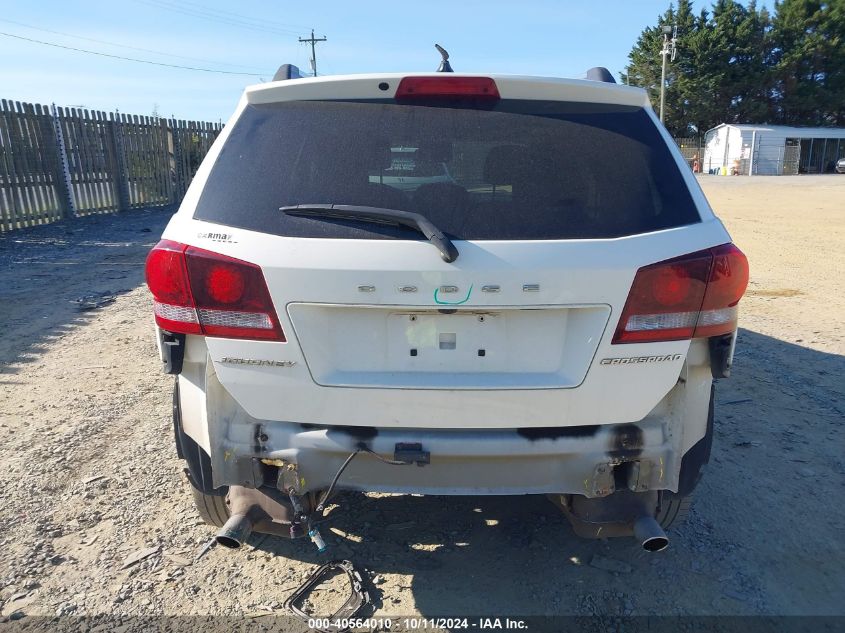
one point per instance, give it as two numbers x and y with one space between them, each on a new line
593 461
590 461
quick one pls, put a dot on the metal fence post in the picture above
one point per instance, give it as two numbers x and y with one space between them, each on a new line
121 178
751 155
63 179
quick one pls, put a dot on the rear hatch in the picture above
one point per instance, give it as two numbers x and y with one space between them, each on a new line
554 194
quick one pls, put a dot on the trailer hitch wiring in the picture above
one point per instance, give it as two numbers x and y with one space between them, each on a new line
362 448
306 522
357 600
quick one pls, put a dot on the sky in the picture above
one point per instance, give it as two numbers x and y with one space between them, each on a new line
538 37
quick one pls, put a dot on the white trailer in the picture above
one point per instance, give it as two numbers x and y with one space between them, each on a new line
771 149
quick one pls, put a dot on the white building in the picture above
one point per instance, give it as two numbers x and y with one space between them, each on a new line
772 149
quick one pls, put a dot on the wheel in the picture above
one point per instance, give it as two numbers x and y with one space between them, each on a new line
673 510
211 508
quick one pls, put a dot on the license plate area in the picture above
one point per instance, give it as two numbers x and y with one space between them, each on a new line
410 348
433 342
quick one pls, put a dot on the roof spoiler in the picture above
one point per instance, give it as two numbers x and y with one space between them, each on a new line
599 73
287 71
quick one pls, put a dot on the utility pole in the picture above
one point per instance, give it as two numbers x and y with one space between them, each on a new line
313 41
669 48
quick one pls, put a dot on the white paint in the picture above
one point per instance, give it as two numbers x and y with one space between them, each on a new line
347 360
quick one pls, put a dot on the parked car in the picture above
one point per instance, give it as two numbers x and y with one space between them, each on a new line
537 323
840 166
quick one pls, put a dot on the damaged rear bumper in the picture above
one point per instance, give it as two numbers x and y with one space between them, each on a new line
593 461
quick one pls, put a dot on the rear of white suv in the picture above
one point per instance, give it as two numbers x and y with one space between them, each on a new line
547 320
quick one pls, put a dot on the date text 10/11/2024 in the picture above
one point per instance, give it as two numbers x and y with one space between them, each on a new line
480 624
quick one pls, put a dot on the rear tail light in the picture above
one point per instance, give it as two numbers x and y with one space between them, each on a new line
691 296
199 292
413 88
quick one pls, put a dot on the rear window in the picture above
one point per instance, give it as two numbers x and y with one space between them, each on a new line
518 170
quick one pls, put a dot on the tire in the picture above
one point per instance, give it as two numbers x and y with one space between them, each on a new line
212 509
673 510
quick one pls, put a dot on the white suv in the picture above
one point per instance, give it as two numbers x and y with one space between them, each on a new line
547 320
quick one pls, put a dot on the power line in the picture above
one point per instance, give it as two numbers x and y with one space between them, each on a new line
247 23
132 59
134 48
229 15
327 63
206 9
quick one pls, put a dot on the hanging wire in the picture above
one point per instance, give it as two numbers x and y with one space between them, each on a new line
132 59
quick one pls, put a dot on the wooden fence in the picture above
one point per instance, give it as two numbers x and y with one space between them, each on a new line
65 162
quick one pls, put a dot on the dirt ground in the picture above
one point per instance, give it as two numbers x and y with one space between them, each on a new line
90 481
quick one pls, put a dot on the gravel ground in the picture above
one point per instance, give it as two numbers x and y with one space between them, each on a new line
99 519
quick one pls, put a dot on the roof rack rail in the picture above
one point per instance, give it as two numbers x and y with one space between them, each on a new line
599 73
287 71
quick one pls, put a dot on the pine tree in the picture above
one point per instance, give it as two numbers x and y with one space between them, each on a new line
809 62
645 67
739 64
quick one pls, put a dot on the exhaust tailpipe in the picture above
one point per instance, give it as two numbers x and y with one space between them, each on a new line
235 532
648 531
250 509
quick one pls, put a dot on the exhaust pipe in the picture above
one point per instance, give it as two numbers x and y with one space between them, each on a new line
235 532
620 514
648 531
244 511
260 510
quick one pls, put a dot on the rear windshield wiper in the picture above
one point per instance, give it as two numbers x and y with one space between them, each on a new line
376 214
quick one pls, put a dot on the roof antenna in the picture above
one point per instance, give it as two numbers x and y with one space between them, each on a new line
445 66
